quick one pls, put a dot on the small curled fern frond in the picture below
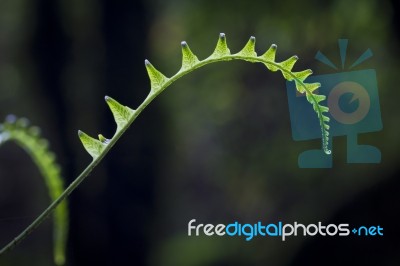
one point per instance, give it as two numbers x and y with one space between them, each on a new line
28 138
124 116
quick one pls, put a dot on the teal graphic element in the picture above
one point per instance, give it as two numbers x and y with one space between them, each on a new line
353 101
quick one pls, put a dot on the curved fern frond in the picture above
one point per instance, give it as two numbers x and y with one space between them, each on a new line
124 116
28 138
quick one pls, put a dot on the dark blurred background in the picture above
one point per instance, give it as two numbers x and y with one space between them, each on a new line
216 146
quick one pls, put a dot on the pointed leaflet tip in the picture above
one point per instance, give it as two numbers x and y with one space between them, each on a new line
93 146
222 48
157 79
269 56
289 63
122 114
249 49
287 66
308 87
302 75
189 59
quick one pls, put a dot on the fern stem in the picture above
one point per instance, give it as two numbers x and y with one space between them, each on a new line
120 131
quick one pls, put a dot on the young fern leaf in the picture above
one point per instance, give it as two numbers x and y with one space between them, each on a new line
93 146
121 113
28 138
221 49
124 116
302 75
249 49
157 79
269 57
188 58
288 65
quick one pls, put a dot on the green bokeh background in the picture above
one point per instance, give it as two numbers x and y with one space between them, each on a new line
216 146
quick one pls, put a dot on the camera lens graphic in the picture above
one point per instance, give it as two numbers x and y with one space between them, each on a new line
359 93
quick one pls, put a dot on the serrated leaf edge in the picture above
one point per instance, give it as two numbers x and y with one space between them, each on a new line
190 62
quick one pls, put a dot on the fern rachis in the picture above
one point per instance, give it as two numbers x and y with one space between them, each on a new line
124 116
